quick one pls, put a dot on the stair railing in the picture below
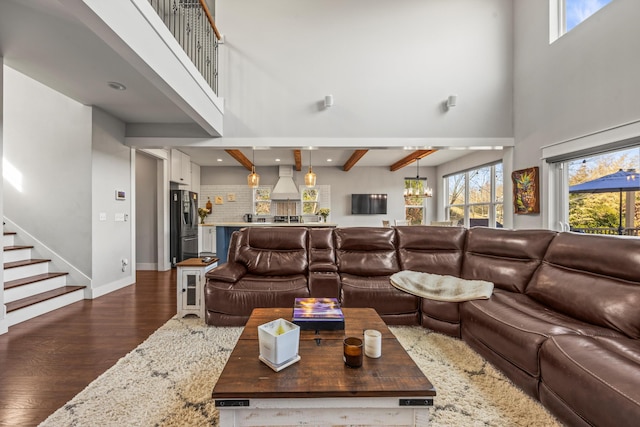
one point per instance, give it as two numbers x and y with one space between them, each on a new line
193 26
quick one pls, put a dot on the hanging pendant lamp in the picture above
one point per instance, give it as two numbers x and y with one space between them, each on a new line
253 179
310 177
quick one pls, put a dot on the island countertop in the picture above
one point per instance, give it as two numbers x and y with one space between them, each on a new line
224 230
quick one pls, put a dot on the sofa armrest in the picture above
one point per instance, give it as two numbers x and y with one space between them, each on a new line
229 272
324 284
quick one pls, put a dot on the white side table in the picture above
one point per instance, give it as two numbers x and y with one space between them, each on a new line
190 287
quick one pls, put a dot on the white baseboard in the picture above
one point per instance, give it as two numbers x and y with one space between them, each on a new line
152 266
109 287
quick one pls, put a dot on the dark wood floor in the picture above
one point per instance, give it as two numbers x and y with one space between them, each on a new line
46 361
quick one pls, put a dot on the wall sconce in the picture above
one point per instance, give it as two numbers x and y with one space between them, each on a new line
452 101
328 101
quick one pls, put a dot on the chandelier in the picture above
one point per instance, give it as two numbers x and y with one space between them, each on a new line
417 186
253 179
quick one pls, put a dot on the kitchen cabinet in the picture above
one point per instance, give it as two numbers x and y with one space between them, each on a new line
180 167
207 240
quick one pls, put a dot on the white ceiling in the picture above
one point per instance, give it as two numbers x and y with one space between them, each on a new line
43 40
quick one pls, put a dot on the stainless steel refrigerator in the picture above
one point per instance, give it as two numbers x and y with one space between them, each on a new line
184 225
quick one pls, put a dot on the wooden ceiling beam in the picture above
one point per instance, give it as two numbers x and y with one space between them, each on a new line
355 157
240 158
297 157
407 160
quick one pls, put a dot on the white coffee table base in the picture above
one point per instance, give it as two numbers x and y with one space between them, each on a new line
361 411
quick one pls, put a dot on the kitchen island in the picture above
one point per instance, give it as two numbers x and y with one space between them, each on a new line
224 230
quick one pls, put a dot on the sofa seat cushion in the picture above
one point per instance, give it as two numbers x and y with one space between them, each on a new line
441 310
515 326
254 291
597 377
376 292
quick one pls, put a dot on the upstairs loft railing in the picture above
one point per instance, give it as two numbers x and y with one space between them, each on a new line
193 26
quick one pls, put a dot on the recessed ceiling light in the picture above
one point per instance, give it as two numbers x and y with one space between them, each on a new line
329 160
116 86
277 160
219 160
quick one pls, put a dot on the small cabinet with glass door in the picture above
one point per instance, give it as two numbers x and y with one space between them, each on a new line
190 287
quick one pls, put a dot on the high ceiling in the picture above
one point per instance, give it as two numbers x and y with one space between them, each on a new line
45 41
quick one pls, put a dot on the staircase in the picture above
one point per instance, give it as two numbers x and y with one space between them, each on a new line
30 289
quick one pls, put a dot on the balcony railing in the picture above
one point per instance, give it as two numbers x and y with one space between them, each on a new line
192 24
608 230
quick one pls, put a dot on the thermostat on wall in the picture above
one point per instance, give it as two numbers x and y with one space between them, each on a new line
120 195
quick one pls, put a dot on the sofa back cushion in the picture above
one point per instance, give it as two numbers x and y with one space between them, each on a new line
595 279
322 254
273 251
436 250
366 251
508 258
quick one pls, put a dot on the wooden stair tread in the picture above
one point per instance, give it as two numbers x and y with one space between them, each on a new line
31 279
17 247
45 296
23 263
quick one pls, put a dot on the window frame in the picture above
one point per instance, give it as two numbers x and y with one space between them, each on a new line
466 207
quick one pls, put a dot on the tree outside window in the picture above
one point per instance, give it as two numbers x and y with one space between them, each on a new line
475 197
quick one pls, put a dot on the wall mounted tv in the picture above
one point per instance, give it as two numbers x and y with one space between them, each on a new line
368 204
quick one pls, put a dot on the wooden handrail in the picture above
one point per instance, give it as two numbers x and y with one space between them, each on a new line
210 18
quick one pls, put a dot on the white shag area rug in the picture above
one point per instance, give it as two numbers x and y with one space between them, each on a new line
167 381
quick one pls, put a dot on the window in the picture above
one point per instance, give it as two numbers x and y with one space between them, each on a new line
475 197
414 205
309 201
262 200
567 14
606 210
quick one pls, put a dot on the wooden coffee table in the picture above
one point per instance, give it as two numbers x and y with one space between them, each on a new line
320 389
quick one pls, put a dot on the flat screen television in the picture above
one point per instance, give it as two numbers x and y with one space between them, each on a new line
368 204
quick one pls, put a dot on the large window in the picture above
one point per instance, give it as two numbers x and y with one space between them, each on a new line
475 197
598 205
567 14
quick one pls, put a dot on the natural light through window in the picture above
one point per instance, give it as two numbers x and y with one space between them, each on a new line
577 11
12 175
565 15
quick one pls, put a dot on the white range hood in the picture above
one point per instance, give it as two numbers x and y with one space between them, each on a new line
285 188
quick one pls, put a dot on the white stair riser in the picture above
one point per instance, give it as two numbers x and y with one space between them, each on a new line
36 310
25 271
8 240
17 255
39 287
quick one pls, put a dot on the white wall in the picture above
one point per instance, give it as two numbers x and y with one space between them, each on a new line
389 64
111 170
3 325
146 212
47 139
585 82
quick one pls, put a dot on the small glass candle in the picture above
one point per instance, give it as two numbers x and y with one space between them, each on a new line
353 352
372 343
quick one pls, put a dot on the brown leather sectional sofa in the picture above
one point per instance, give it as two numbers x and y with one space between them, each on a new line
563 322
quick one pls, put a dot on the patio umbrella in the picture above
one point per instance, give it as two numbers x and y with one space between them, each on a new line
623 180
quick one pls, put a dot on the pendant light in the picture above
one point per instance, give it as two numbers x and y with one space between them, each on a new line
253 179
310 177
417 186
